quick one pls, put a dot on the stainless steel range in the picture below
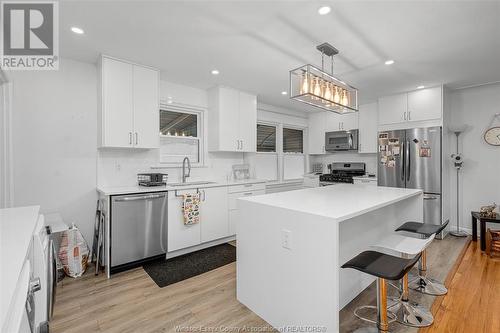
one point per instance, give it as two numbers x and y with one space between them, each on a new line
342 173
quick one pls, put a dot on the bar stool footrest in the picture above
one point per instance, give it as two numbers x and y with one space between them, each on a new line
391 316
428 286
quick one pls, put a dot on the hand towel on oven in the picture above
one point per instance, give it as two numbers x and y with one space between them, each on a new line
191 208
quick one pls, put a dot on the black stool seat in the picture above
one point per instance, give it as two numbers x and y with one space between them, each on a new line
381 265
425 229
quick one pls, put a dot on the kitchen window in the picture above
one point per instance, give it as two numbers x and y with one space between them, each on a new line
266 138
180 135
293 140
280 152
293 159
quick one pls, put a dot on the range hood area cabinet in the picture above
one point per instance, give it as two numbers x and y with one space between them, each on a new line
232 120
423 105
129 104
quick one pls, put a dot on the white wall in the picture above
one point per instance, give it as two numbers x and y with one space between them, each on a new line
54 141
480 176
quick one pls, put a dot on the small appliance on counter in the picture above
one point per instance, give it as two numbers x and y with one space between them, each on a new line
342 172
152 179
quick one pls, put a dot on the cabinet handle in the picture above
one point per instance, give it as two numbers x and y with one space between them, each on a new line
237 144
404 116
136 138
241 144
247 193
409 115
35 285
129 138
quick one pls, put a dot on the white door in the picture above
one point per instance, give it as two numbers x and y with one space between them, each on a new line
117 94
248 122
214 214
392 109
349 121
146 108
180 236
229 119
316 133
425 104
368 128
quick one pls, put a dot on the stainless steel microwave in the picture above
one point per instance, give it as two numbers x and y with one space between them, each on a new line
341 140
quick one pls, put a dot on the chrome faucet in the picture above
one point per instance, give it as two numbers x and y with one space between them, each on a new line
184 175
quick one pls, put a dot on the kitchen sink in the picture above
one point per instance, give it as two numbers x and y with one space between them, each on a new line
190 183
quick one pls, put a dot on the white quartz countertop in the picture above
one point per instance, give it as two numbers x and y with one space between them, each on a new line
340 202
17 226
117 190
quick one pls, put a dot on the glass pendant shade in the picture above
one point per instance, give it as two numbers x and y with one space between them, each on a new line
313 86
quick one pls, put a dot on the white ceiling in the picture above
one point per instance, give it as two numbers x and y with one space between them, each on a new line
255 43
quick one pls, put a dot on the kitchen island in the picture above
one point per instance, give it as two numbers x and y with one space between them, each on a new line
291 246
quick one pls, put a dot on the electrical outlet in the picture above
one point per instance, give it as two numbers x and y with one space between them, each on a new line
286 239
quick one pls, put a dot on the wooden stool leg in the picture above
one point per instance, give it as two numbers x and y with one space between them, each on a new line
383 323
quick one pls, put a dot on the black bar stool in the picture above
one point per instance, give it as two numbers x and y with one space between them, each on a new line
384 267
422 283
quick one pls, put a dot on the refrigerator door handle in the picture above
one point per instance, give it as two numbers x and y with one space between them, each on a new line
403 161
408 160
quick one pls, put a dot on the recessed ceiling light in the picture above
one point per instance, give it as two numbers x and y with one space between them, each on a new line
77 30
389 62
284 92
324 10
420 87
214 72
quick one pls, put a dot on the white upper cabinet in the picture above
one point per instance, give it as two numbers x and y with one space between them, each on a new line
341 122
367 128
425 104
117 111
392 109
248 122
316 133
232 120
129 112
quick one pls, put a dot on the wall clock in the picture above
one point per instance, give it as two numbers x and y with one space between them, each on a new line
492 136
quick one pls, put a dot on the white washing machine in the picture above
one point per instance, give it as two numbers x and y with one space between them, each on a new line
44 267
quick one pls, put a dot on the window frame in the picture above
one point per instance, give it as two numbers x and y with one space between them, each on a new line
298 128
280 154
276 142
200 129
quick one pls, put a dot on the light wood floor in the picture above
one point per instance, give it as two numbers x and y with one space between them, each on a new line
132 302
472 304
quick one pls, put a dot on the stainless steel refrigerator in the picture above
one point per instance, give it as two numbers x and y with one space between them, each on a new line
412 158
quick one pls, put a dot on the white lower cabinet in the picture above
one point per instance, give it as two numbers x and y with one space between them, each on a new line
213 214
218 211
180 236
233 203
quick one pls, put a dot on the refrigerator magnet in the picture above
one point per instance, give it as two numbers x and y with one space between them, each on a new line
424 150
396 150
391 163
382 148
393 142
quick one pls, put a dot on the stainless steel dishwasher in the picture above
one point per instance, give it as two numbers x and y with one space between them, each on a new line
138 229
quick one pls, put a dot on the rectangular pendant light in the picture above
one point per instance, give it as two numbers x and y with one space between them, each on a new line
314 86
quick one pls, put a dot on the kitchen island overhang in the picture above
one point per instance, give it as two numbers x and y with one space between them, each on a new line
291 246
